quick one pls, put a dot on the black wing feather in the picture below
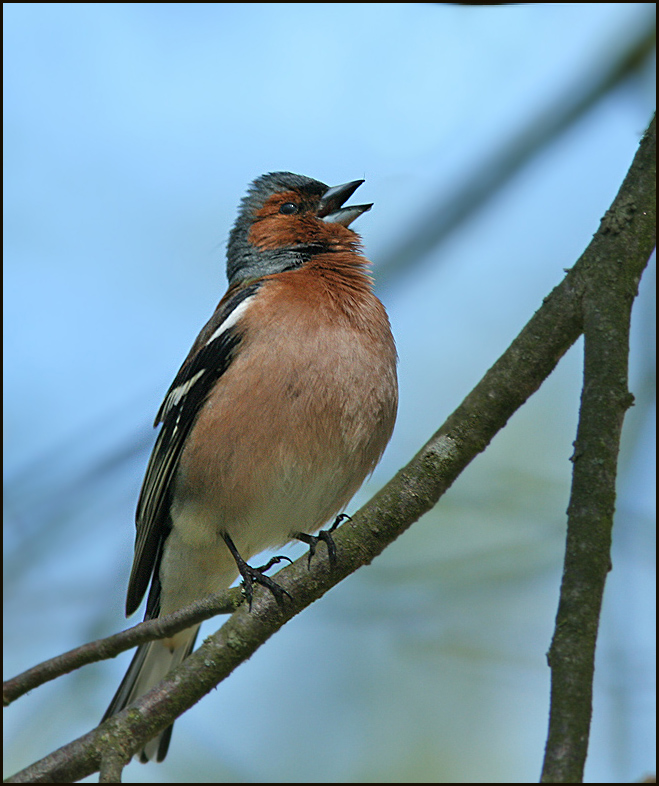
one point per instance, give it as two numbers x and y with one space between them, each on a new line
205 364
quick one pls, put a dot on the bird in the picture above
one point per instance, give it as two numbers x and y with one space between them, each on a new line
282 408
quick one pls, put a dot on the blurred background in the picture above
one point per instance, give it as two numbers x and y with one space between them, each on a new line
492 140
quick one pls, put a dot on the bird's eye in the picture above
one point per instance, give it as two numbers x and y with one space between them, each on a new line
288 208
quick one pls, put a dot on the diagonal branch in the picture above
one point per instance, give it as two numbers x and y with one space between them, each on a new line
412 492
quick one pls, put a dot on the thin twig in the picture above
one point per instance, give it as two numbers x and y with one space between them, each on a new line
101 649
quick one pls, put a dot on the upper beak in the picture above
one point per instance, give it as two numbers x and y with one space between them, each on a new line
330 208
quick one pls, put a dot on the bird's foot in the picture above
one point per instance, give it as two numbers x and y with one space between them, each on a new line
253 576
325 535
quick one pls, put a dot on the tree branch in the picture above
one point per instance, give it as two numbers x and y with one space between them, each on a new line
612 278
411 493
112 766
111 646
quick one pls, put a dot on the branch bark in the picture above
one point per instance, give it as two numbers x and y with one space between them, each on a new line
611 284
624 243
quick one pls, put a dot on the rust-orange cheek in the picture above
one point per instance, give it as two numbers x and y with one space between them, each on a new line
271 231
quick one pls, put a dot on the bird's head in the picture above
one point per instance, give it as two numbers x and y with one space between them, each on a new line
284 220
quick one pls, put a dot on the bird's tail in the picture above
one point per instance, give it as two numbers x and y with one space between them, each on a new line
151 663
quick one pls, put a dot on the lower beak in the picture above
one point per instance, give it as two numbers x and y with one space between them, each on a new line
330 208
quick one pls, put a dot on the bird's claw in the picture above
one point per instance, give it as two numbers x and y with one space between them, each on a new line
325 535
251 575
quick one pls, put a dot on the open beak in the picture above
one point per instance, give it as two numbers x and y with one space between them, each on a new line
330 208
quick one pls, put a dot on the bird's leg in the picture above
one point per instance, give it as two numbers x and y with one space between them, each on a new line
325 535
253 576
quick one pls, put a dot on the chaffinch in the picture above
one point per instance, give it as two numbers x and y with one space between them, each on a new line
283 406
